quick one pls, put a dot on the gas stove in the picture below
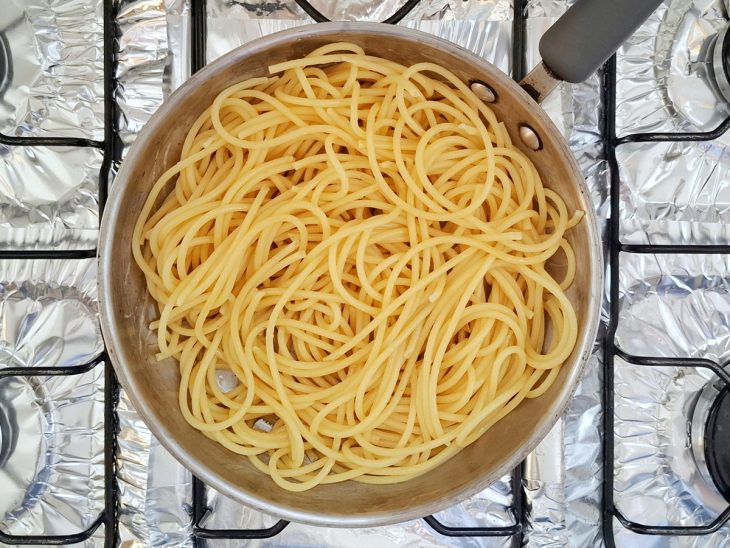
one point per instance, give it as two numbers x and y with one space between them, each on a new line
640 458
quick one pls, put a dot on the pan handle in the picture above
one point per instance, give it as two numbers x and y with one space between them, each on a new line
582 39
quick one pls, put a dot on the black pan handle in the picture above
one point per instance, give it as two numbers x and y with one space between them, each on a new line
583 38
589 33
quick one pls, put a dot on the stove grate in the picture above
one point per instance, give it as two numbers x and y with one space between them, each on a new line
112 149
610 348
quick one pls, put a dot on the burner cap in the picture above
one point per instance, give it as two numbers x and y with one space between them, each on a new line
717 442
709 432
684 57
721 62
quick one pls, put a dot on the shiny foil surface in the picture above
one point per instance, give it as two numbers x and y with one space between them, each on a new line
673 306
673 193
51 428
51 64
51 449
56 81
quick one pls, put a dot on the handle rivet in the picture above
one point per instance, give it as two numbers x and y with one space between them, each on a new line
484 92
530 137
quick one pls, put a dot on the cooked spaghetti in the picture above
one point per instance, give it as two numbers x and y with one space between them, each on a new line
361 247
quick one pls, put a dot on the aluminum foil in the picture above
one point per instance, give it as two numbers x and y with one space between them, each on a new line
670 193
492 507
155 490
673 192
53 84
51 428
48 197
664 71
483 27
153 58
674 306
363 10
48 313
670 305
547 8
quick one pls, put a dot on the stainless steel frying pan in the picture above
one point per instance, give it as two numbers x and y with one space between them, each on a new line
571 50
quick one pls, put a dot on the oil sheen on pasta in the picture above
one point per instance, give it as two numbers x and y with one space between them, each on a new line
362 246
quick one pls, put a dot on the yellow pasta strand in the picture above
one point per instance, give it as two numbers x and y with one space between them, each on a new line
362 248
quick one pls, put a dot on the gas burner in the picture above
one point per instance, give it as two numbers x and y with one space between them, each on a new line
6 57
692 50
721 63
710 440
717 442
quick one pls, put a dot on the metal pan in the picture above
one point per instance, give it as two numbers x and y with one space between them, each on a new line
594 28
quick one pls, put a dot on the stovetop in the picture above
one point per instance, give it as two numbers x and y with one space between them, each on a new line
641 456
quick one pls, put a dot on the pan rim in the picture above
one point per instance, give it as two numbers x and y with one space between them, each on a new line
205 472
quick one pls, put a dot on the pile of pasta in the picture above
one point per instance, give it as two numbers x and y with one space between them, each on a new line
360 244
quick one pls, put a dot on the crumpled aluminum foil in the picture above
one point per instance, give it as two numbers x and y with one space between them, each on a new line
663 80
671 305
363 10
489 508
153 58
674 306
51 85
53 481
49 197
155 490
483 27
48 313
673 192
55 81
51 428
692 175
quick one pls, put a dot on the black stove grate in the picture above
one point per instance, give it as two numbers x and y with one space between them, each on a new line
610 349
112 148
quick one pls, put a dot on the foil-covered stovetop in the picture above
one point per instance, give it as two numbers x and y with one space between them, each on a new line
53 472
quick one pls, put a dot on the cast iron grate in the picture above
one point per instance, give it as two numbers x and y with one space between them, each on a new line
112 149
611 350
